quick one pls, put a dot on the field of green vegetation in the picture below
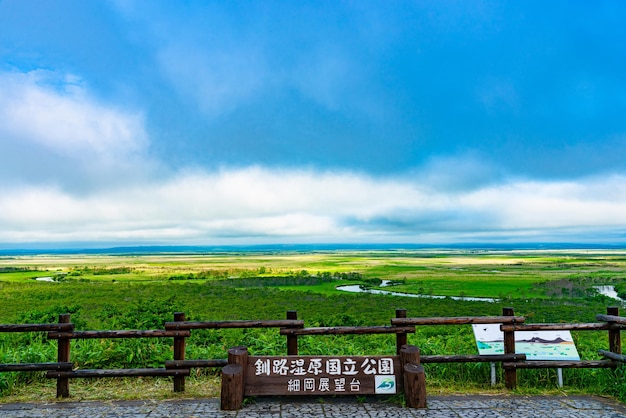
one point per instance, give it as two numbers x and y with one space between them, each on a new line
143 291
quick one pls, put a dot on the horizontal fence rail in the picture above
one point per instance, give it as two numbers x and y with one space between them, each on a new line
292 328
185 364
347 330
84 335
613 356
538 364
36 327
86 373
277 323
555 327
459 320
611 318
473 358
36 367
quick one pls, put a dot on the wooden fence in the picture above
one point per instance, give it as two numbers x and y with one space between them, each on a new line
292 328
33 367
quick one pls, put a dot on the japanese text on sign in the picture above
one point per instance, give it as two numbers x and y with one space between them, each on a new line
328 374
315 366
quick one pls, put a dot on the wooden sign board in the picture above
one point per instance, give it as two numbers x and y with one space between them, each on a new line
322 375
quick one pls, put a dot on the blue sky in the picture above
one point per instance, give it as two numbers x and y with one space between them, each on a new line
250 122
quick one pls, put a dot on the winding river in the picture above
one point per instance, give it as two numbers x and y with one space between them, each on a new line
355 288
609 291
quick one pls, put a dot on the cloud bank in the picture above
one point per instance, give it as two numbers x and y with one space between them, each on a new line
76 169
260 205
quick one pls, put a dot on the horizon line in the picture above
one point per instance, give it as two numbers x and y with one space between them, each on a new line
303 247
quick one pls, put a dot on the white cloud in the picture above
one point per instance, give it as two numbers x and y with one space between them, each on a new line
53 130
262 205
64 119
534 204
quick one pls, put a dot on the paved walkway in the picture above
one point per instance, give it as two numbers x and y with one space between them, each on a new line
438 406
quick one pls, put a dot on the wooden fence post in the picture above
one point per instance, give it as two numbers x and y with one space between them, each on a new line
233 379
413 376
409 354
63 356
179 354
401 339
292 340
510 374
232 387
615 338
239 355
414 385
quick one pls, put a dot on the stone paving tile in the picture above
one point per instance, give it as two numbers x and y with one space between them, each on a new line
380 410
438 407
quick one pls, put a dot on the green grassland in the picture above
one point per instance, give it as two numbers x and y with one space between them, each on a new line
143 291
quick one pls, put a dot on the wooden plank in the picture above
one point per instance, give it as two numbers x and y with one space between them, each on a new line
31 367
188 364
82 335
555 327
346 330
559 364
274 323
323 375
472 358
35 327
98 373
459 320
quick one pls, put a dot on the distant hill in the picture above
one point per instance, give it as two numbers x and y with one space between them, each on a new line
16 250
558 340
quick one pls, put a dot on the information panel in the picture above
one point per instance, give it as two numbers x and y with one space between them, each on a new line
322 375
537 345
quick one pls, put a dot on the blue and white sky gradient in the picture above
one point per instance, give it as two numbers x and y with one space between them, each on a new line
254 122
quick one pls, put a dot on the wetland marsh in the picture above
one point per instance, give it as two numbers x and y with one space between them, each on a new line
142 291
